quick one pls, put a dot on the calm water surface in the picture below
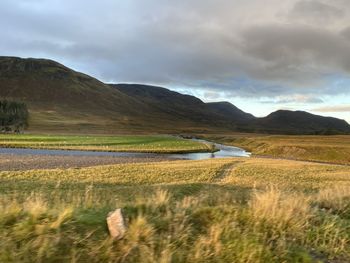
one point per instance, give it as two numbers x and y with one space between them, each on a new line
224 152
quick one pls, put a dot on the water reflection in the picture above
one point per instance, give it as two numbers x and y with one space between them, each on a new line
224 151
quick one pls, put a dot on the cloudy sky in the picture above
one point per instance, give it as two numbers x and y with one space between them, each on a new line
261 55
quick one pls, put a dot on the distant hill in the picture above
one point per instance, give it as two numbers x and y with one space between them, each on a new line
230 111
229 116
181 106
59 98
170 102
301 122
62 100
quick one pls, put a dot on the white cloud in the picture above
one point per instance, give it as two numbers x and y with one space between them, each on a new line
333 109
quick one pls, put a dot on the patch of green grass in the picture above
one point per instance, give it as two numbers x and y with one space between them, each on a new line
152 144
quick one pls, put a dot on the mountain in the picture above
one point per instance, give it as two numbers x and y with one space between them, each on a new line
181 105
178 106
301 122
230 111
226 115
60 99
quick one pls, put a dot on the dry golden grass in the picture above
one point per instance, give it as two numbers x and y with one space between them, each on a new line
333 149
336 198
224 210
286 174
127 174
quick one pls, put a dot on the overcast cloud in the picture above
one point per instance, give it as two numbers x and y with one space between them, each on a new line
260 48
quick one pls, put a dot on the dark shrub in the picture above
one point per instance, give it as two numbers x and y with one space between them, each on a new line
13 116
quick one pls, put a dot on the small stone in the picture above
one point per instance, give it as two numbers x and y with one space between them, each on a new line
116 225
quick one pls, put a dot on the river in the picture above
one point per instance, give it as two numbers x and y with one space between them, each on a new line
224 151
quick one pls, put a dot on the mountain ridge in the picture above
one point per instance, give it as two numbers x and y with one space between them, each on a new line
61 99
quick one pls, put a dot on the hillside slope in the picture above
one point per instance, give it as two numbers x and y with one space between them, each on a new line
230 111
301 122
226 115
222 114
60 99
178 106
173 103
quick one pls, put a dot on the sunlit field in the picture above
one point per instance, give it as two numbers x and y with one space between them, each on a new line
223 210
152 144
333 149
175 131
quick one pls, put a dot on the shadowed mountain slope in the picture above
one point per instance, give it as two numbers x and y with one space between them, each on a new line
219 114
62 100
301 122
230 111
173 103
58 97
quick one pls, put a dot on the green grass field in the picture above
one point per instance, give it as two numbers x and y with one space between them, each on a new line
223 210
332 149
151 144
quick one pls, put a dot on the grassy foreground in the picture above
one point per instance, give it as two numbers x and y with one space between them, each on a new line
224 210
333 149
152 144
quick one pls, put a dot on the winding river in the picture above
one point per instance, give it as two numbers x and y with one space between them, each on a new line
224 151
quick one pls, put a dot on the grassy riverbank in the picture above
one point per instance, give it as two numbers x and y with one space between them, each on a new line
224 210
152 144
332 149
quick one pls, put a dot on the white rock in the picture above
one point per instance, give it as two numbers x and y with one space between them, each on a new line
116 225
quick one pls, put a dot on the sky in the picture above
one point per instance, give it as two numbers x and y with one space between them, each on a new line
261 55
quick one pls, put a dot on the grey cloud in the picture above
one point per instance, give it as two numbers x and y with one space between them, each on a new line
294 99
346 33
203 44
315 10
296 53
